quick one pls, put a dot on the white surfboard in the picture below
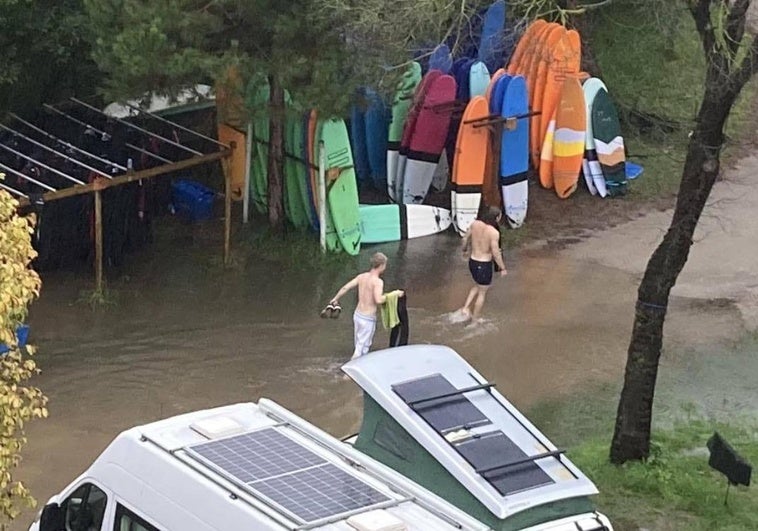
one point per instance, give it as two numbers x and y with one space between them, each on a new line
441 173
393 157
466 210
593 173
417 180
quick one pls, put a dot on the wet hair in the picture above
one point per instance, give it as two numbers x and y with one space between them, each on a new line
378 260
489 216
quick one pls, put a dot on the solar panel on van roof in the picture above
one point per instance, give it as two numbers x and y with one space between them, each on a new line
270 465
450 411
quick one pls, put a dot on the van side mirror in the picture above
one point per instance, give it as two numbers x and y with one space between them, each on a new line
52 519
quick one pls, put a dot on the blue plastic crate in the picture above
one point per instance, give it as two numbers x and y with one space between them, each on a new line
22 334
192 200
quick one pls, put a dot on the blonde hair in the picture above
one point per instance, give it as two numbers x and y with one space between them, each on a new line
378 260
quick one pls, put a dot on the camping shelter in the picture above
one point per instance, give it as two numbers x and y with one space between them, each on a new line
81 169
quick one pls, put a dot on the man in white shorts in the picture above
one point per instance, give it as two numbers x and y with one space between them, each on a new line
370 296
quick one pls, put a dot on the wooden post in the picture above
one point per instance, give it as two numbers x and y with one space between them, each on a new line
322 195
228 208
98 243
248 160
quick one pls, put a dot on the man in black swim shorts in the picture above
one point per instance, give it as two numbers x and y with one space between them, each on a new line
482 245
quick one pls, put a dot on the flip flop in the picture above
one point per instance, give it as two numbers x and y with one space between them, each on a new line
336 311
327 311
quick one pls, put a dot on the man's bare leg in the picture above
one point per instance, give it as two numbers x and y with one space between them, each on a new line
470 299
481 296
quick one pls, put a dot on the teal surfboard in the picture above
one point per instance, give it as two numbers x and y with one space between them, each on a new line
390 223
295 207
342 189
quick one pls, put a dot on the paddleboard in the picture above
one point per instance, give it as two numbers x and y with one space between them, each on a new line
514 153
342 190
593 173
569 138
428 139
389 223
259 159
493 82
479 79
400 107
609 143
305 154
492 41
409 128
544 94
441 59
633 170
376 139
514 65
472 151
358 141
294 207
313 157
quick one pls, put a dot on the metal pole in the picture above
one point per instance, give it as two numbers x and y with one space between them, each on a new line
98 242
13 191
322 195
67 144
129 124
75 120
248 161
27 178
18 153
174 124
227 213
66 157
150 154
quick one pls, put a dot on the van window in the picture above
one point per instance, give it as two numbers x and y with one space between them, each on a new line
126 520
85 509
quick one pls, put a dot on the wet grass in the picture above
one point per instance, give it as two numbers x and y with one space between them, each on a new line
652 62
294 250
675 489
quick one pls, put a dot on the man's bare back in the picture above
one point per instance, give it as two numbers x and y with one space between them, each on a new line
484 242
370 293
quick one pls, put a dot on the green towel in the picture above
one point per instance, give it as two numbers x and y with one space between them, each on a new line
389 311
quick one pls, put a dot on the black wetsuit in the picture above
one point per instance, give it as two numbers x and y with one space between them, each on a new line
399 333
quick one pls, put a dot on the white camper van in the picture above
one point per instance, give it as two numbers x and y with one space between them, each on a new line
439 449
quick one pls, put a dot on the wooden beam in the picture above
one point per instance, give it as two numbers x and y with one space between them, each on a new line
98 243
132 176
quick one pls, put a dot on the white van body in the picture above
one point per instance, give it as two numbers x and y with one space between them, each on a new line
260 467
146 472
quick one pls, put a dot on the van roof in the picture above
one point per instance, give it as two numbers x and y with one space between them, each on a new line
294 473
479 437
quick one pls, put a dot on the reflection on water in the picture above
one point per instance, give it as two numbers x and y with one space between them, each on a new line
186 337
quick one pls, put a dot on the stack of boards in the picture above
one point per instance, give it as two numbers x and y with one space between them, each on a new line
575 129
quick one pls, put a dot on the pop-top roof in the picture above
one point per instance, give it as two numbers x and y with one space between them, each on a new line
495 452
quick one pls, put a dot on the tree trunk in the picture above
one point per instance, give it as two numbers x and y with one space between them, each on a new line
276 156
631 438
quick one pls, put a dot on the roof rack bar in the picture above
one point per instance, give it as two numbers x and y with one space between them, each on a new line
13 191
58 153
344 516
41 165
67 144
150 154
174 124
529 459
27 178
458 392
136 127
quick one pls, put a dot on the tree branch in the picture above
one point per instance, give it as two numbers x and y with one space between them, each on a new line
701 12
735 24
748 68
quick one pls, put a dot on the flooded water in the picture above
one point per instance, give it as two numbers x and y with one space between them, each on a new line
185 335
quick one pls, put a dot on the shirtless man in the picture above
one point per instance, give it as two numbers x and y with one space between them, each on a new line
370 295
483 240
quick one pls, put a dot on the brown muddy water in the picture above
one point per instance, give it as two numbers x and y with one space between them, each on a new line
186 335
